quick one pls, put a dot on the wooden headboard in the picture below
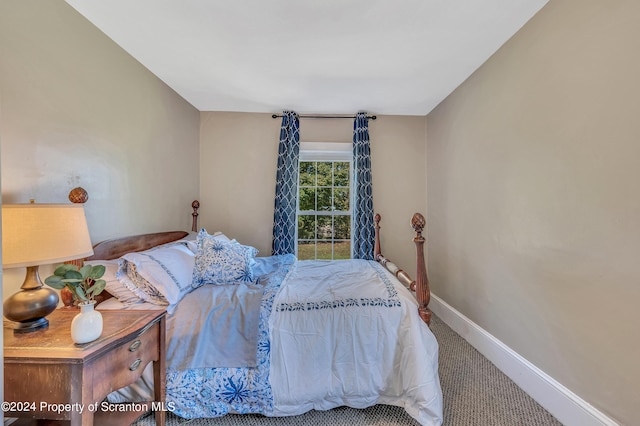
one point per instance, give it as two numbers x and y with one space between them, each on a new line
117 247
113 249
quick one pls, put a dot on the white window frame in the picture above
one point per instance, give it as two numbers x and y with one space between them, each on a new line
324 152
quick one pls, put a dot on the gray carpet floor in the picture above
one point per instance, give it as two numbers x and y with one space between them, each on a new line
475 393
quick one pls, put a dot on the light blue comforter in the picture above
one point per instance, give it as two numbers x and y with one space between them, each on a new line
211 392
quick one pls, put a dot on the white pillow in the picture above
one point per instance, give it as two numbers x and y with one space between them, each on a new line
113 286
219 236
160 275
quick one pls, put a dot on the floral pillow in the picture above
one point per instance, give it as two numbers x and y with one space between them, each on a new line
221 262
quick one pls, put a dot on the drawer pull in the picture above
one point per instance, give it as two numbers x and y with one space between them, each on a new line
135 345
135 364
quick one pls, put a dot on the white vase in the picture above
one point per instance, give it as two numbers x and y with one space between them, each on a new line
87 325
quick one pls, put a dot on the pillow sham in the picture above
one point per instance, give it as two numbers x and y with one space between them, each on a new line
191 240
113 286
221 262
194 235
113 304
161 275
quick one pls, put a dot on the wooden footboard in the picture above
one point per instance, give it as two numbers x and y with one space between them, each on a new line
421 284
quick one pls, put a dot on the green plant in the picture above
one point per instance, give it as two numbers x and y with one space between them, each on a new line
84 283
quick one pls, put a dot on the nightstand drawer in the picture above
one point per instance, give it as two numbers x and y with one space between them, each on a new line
125 363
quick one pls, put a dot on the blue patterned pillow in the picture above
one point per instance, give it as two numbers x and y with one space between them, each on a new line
220 262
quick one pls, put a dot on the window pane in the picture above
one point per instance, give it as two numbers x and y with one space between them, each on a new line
324 199
306 250
324 190
341 174
342 227
307 199
342 250
324 173
324 250
341 199
306 226
324 228
307 173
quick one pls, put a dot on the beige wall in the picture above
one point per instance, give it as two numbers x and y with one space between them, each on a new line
238 168
533 184
77 110
1 278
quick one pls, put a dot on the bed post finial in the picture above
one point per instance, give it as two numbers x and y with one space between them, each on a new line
418 223
423 293
194 224
78 195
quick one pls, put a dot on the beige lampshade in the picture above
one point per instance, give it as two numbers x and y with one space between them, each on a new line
42 234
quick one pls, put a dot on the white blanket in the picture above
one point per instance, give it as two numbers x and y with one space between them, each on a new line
348 333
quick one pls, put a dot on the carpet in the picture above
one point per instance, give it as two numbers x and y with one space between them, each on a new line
475 393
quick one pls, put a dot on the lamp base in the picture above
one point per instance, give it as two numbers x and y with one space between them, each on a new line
29 307
28 327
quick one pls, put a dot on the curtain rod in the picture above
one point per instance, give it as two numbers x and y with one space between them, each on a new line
373 117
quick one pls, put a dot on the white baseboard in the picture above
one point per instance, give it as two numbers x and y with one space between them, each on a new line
564 405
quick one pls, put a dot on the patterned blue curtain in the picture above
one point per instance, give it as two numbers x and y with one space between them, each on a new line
284 216
363 227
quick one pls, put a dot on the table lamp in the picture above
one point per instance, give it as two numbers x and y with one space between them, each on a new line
39 234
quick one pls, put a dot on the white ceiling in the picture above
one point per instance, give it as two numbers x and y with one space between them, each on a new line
323 56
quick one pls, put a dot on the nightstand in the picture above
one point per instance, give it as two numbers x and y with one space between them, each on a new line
47 376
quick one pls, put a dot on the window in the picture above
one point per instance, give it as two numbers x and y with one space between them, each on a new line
324 201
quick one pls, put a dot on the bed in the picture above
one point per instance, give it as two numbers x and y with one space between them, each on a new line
274 335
